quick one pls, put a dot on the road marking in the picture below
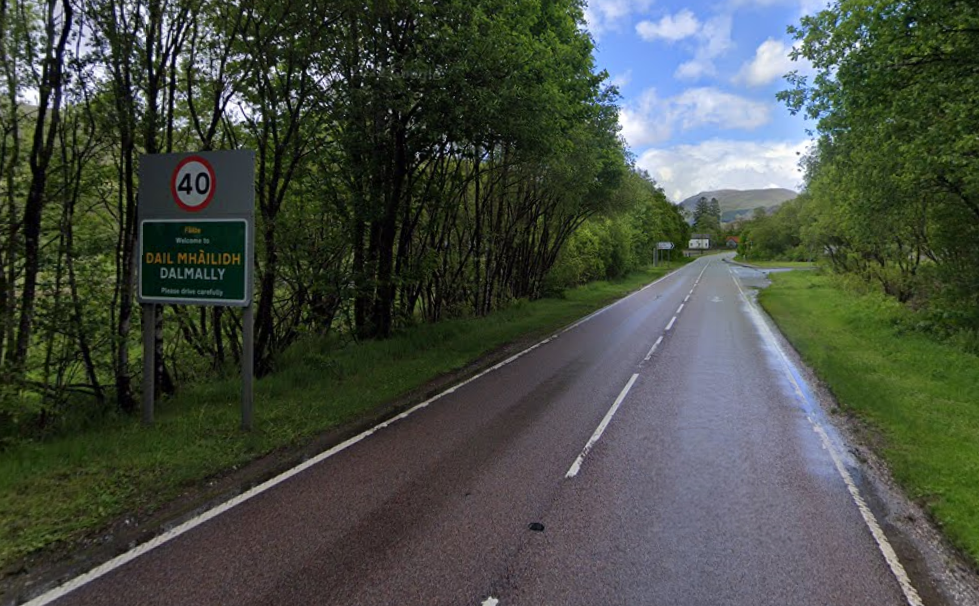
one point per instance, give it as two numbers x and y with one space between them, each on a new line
670 325
490 601
576 466
652 349
883 544
106 567
687 298
679 309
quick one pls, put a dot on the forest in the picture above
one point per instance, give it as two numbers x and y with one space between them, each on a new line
892 181
415 161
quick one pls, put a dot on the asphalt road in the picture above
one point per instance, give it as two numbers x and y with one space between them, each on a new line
711 484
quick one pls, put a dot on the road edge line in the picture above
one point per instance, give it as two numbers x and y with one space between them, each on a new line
870 520
79 581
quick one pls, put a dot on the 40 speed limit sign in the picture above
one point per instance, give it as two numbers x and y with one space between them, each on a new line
193 184
196 217
196 228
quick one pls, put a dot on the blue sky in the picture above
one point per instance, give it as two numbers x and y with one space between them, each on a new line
698 82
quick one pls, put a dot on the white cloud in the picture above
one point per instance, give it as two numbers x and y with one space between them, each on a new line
806 7
714 40
810 7
653 120
604 16
622 80
671 27
770 63
684 170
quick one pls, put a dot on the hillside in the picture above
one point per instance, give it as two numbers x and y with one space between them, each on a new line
737 203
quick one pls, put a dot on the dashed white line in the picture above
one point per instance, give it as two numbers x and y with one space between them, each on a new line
883 544
653 349
576 466
165 537
491 601
687 298
670 325
679 309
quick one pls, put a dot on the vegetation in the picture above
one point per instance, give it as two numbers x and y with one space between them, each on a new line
707 218
71 486
892 195
415 162
778 235
893 179
918 399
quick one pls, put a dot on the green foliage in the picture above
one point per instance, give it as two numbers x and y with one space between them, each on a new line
611 245
415 162
892 187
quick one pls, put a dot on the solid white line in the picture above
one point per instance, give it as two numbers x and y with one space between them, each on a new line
910 593
576 466
165 537
679 309
883 544
490 601
652 349
670 325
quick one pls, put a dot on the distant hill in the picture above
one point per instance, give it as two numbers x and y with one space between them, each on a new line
736 203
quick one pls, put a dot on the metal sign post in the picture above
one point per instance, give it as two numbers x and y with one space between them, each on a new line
196 243
667 246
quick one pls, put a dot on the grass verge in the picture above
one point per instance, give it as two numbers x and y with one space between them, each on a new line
919 397
58 491
776 264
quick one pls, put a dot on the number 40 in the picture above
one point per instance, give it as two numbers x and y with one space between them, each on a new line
202 184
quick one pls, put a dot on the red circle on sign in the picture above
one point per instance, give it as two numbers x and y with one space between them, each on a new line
186 185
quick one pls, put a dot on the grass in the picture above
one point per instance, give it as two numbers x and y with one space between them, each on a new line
776 264
918 396
61 490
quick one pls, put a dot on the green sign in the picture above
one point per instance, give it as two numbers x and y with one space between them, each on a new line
200 261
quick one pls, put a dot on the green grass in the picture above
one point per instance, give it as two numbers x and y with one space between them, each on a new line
60 490
919 397
775 264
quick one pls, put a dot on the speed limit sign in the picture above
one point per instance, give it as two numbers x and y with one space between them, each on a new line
193 184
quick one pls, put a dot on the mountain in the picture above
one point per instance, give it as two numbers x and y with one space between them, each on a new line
741 203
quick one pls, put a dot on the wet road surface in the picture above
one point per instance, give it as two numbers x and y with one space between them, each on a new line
708 485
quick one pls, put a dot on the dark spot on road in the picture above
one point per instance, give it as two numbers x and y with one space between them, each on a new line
536 527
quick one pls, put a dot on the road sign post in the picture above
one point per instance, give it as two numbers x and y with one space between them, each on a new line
196 243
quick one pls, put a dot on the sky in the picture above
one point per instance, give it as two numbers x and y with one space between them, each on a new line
698 80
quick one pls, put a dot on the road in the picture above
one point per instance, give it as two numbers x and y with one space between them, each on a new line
661 452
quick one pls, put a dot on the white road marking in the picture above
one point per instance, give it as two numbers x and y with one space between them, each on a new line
576 466
670 325
167 536
652 349
490 601
883 544
679 309
687 298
